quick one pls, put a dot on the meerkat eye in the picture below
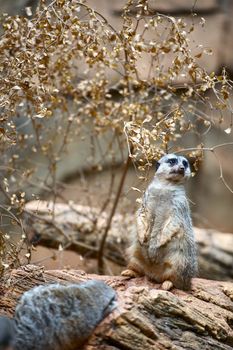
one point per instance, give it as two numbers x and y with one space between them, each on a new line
185 163
157 164
172 161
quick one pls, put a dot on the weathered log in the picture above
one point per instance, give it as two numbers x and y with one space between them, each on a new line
80 229
146 317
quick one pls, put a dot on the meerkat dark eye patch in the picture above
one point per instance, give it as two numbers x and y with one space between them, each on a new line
172 161
185 163
157 165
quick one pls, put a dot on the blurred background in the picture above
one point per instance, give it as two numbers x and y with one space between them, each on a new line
88 183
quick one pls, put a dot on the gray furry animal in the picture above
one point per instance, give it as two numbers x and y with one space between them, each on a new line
55 316
6 332
164 248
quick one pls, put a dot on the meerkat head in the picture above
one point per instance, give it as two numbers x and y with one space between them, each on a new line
173 168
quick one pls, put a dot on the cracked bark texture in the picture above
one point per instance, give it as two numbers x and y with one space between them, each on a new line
146 317
80 229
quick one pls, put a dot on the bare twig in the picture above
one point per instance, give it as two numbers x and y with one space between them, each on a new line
108 225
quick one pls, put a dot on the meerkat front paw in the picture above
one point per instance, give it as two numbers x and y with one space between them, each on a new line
130 273
167 285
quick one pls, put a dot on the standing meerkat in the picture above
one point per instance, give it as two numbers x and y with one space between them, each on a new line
164 248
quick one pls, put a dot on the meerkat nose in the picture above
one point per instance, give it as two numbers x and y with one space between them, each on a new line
181 170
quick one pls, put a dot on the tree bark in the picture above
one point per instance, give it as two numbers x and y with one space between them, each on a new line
80 229
146 317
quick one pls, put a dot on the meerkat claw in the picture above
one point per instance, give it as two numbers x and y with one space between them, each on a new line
129 273
167 285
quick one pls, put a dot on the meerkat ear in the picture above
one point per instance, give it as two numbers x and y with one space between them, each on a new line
157 164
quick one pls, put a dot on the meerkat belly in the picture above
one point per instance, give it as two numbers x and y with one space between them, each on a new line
167 259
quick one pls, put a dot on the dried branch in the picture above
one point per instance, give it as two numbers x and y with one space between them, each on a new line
113 210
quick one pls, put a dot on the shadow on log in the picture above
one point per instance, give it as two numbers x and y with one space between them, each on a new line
146 317
79 228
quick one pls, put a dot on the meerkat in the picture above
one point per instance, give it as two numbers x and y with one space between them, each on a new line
163 246
56 317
